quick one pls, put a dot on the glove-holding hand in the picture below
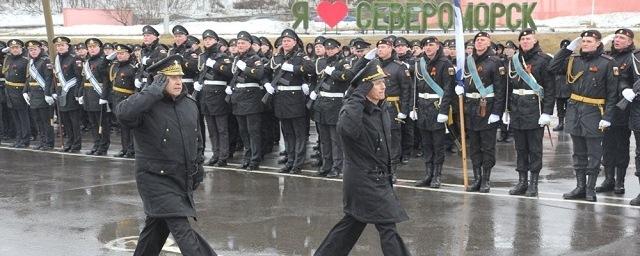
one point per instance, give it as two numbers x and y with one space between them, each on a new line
329 70
574 44
287 67
442 118
493 118
269 88
49 100
628 94
137 83
210 63
313 95
545 119
459 90
604 124
80 100
305 89
144 60
371 54
413 115
506 118
102 102
228 90
26 98
241 65
197 86
5 50
54 96
401 116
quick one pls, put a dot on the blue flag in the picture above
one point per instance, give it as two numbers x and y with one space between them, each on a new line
460 47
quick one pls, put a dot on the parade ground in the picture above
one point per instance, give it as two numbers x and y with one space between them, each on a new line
56 203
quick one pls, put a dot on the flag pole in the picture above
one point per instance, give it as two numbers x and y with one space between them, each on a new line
460 58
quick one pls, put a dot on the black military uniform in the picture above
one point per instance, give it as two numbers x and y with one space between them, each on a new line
532 96
563 91
594 84
289 70
169 158
4 122
15 71
320 62
615 144
95 95
364 127
149 55
270 126
435 82
67 70
122 81
39 89
408 127
215 74
246 102
634 120
484 102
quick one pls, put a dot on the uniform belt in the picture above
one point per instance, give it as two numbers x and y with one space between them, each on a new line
427 96
290 88
187 80
215 82
87 84
589 101
123 90
332 94
34 83
476 95
523 92
247 85
393 98
14 84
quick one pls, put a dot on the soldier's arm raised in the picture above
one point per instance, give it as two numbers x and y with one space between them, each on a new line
558 64
131 110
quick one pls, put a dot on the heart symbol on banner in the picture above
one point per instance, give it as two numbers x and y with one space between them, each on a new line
332 13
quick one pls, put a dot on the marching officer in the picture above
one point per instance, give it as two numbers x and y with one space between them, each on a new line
531 105
15 72
67 68
435 82
151 53
122 75
38 89
563 91
593 79
215 74
483 105
94 96
246 95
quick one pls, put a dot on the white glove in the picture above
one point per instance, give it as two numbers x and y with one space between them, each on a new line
49 100
54 96
138 83
228 90
459 90
112 56
197 86
371 54
401 116
5 50
144 60
305 89
628 94
26 98
574 44
210 63
80 100
604 124
493 118
608 39
287 67
241 65
313 95
413 115
329 70
442 118
269 88
545 119
506 118
102 102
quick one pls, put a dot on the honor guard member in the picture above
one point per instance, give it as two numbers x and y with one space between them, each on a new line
563 91
634 118
151 53
401 46
484 103
169 157
290 67
531 105
107 49
81 51
215 74
270 125
182 47
15 70
67 69
435 80
364 128
593 80
94 96
4 122
195 44
38 90
505 57
246 95
44 45
122 75
320 62
615 144
399 96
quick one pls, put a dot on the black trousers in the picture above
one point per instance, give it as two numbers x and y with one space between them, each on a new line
126 138
433 146
250 131
561 107
42 118
218 127
294 131
407 137
235 140
345 234
587 153
615 147
483 148
22 122
71 125
636 134
528 149
155 233
395 146
270 131
101 141
331 148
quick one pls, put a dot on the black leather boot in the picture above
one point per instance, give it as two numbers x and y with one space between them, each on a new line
521 187
609 180
619 186
590 194
426 181
485 185
437 172
580 190
475 185
560 126
532 189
